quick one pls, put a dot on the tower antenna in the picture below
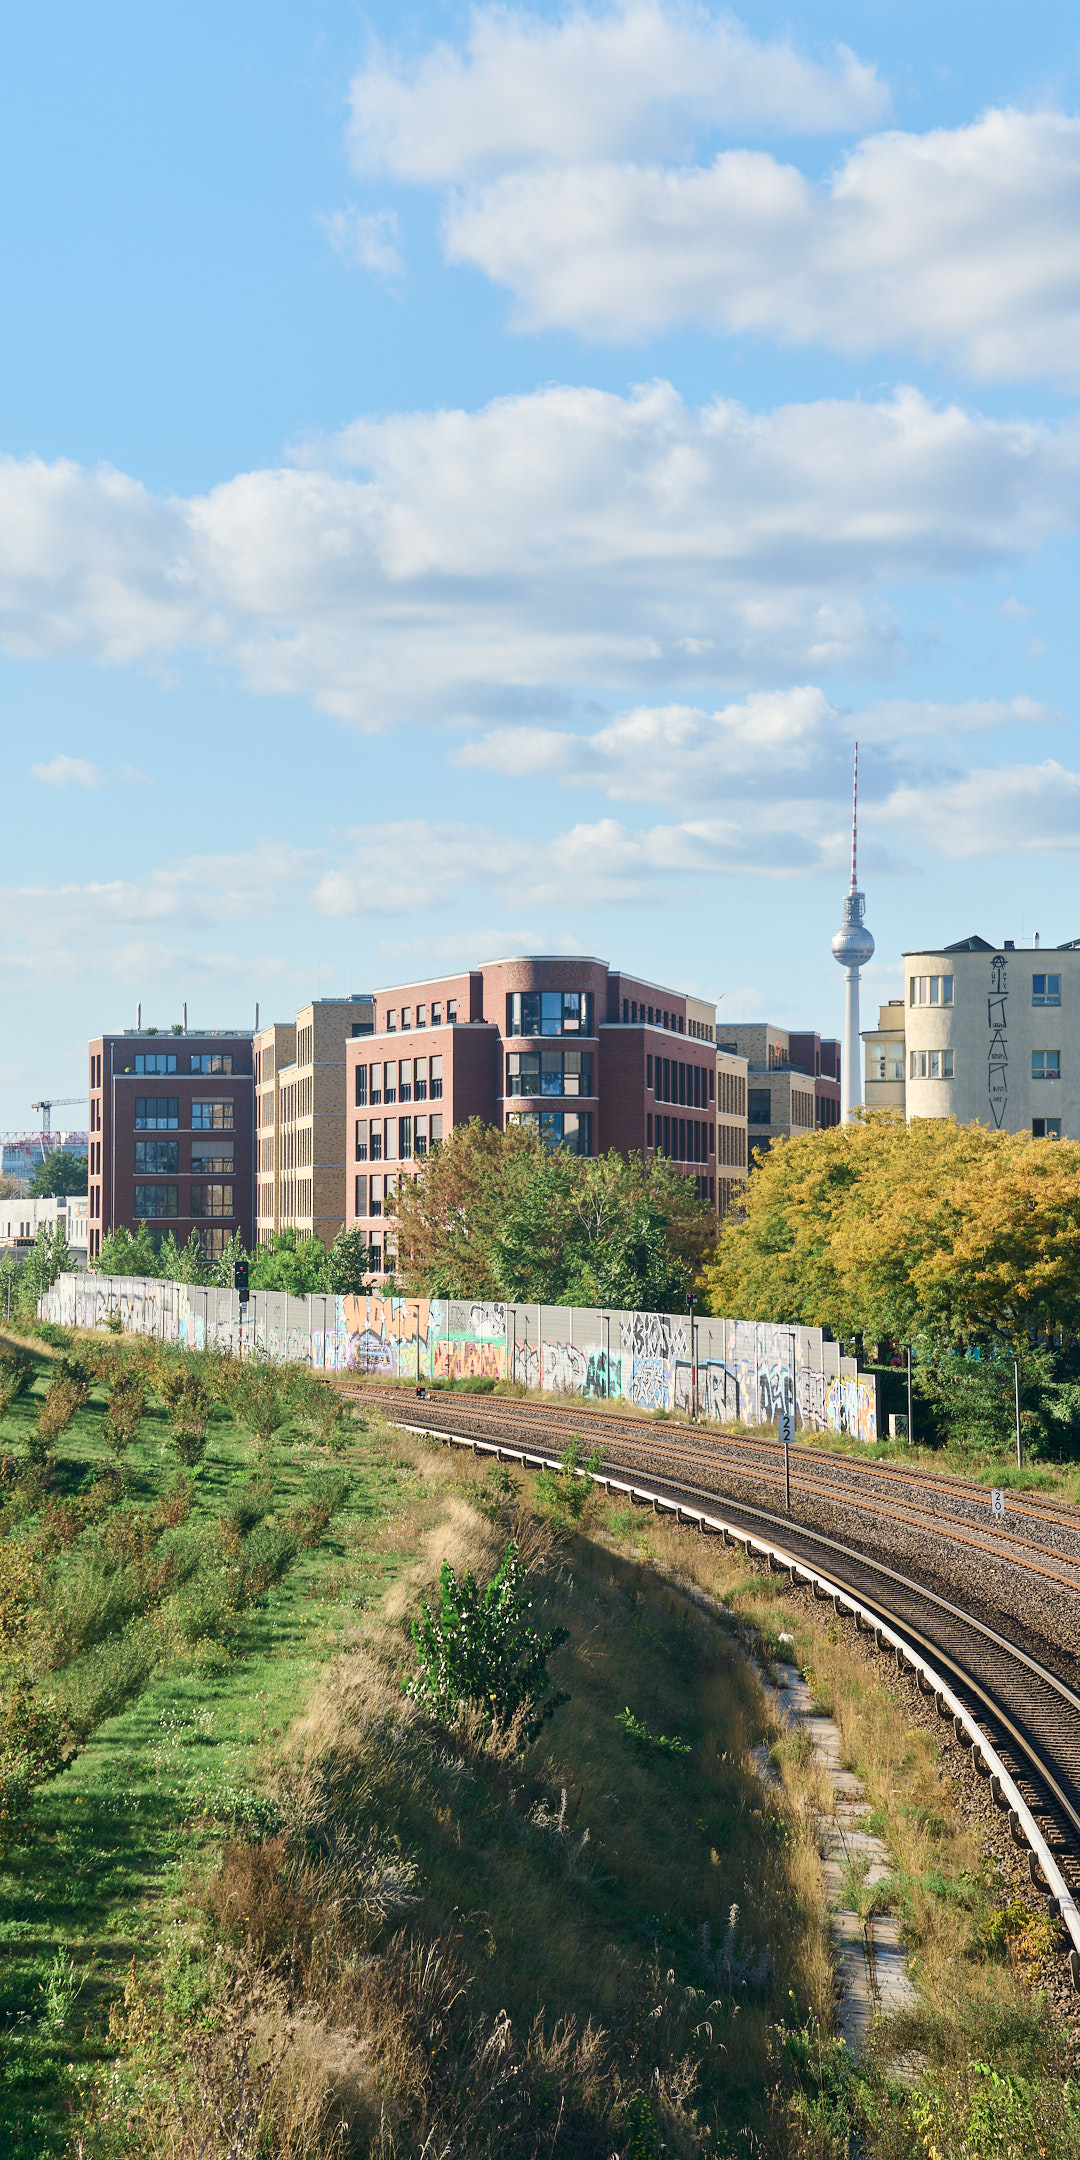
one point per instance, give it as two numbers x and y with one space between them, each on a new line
852 946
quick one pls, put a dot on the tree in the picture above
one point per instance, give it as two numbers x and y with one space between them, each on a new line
122 1254
49 1256
11 1188
951 1233
60 1173
182 1263
496 1214
348 1265
479 1647
290 1263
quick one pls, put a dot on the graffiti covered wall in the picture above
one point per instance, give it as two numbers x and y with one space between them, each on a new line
719 1369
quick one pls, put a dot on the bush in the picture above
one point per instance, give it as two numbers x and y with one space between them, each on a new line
259 1401
126 1404
569 1491
63 1397
480 1648
32 1749
16 1374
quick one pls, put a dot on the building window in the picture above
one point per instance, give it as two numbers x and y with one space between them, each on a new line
420 1136
375 1202
361 1139
155 1061
391 1022
155 1201
213 1243
219 1116
420 1079
1046 1064
931 1065
648 1129
436 1016
376 1083
626 1011
361 1195
548 1072
436 1079
212 1158
421 1016
451 1011
157 1158
759 1106
157 1113
648 1072
390 1081
406 1016
1046 1128
405 1073
212 1200
436 1129
931 990
568 1129
361 1087
1046 989
549 1012
212 1061
405 1139
376 1142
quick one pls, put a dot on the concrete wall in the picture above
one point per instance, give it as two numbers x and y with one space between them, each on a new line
746 1369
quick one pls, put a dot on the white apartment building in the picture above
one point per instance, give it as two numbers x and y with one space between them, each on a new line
300 1118
987 1033
20 1221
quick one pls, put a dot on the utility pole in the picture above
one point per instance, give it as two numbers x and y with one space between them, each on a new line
1016 1391
910 1434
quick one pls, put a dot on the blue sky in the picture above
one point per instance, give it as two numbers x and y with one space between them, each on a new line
466 478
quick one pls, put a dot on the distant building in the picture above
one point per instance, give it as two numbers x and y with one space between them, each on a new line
23 1153
591 1057
987 1033
20 1221
172 1135
793 1080
301 1116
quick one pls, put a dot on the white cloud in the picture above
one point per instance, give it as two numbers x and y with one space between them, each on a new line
367 238
961 242
636 76
1030 809
68 772
493 565
680 754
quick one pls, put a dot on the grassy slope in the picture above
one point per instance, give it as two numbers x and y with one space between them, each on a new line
482 1864
147 1795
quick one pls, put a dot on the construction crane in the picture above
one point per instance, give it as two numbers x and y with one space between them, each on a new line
57 1102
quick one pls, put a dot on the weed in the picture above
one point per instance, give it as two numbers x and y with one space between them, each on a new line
569 1491
480 1648
650 1743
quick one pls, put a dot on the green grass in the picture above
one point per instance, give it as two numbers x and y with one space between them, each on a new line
149 1794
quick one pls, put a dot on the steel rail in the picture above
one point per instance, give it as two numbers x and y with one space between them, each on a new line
944 1481
888 1629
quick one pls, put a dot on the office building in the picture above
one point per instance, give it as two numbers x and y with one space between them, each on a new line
793 1080
987 1033
591 1057
300 1136
171 1138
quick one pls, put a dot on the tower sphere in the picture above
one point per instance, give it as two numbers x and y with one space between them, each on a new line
853 945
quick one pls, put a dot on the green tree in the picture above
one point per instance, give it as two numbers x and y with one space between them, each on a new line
182 1263
290 1263
123 1254
347 1266
60 1173
49 1256
498 1214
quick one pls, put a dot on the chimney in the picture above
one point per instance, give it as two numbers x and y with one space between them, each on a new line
185 1016
138 1018
256 1016
1010 944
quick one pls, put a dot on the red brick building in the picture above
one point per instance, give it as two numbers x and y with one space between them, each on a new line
594 1058
172 1136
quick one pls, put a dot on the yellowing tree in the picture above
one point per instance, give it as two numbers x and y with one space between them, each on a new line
896 1230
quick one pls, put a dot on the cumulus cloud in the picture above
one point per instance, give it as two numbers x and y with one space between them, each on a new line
680 753
490 565
636 76
66 771
367 238
1034 809
961 242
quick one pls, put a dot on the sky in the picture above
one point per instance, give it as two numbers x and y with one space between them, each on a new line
468 478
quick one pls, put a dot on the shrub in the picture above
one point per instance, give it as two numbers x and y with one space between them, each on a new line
479 1647
650 1743
32 1749
16 1374
126 1404
569 1491
260 1402
63 1397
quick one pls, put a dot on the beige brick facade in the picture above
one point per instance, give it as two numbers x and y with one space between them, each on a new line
300 1143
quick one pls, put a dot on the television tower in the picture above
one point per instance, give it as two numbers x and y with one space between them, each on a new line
852 946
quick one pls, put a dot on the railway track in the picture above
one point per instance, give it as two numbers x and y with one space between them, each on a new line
1013 1701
